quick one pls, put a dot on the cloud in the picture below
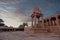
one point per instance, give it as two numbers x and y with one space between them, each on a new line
11 19
2 2
19 14
11 1
11 7
11 22
14 14
16 17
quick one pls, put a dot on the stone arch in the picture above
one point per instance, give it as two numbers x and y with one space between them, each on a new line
53 21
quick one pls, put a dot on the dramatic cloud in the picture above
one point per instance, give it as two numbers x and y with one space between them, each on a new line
14 18
11 19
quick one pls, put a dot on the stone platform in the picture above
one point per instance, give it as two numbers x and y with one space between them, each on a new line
20 35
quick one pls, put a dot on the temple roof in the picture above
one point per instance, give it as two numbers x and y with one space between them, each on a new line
36 12
36 9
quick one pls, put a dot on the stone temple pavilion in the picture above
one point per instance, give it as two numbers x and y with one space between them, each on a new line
43 25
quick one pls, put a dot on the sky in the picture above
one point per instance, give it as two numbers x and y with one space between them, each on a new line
15 12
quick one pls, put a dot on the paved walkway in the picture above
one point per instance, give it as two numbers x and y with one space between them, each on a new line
19 35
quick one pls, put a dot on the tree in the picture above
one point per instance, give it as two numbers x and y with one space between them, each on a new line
23 25
1 22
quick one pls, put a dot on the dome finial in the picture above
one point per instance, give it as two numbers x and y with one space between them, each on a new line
36 10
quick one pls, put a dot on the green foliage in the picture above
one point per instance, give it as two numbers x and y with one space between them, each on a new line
2 24
23 25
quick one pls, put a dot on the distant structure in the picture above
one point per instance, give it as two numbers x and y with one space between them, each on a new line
41 25
5 28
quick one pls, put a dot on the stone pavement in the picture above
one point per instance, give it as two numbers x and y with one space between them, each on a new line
19 35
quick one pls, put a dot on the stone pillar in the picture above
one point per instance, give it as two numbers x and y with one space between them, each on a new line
49 22
32 22
49 27
38 26
46 25
38 23
42 22
35 22
57 21
57 28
